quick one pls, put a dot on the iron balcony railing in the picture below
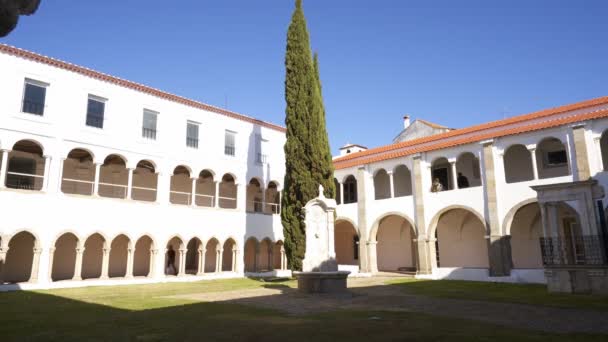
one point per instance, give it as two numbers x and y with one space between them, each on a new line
148 133
192 142
262 158
31 107
570 251
95 121
229 150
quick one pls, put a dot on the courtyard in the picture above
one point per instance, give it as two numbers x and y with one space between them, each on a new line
381 308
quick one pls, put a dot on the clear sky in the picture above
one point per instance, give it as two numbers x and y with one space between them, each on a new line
456 63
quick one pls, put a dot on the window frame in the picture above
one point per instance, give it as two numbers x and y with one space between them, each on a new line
34 83
148 133
229 151
194 143
101 100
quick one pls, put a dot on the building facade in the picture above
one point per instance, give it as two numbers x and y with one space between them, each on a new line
107 181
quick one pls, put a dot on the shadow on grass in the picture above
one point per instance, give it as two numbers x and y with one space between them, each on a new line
101 316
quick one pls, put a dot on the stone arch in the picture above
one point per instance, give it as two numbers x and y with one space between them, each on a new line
375 225
142 256
145 181
26 166
192 255
402 181
468 170
119 256
181 185
460 238
211 254
382 184
349 186
92 258
346 242
254 195
508 220
228 192
265 255
228 255
113 177
525 230
272 197
19 262
78 176
205 188
172 254
552 158
394 234
517 162
442 170
64 256
250 252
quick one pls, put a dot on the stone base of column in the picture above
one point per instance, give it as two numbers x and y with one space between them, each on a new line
499 252
423 252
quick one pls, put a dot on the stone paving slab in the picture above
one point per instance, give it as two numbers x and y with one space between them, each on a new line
372 294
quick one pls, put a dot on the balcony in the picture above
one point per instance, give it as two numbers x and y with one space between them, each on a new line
192 142
148 133
229 150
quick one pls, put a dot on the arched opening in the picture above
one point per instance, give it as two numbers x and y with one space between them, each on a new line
350 190
395 250
254 196
145 180
227 198
382 185
402 181
205 189
142 257
213 246
228 256
19 258
181 186
278 255
604 150
273 199
468 173
78 173
92 258
119 255
192 256
525 236
461 240
113 177
552 159
172 256
346 243
518 164
573 242
251 247
441 171
338 191
25 166
64 257
265 258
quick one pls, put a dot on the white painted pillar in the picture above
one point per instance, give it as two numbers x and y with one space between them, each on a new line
454 175
341 193
47 173
35 265
78 267
241 197
534 165
182 262
3 168
96 183
235 258
283 258
201 259
193 200
60 178
218 259
51 259
129 184
163 188
130 252
216 202
151 270
105 262
392 183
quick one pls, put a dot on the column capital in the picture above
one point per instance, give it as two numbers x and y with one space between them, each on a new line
37 250
5 150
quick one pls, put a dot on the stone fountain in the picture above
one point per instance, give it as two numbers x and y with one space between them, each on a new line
320 270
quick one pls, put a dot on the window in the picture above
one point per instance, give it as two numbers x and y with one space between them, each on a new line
350 190
192 134
229 143
95 111
557 158
34 95
148 129
261 148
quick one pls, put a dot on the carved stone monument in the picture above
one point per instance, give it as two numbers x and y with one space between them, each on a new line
320 269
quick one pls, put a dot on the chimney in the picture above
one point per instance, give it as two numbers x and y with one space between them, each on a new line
406 121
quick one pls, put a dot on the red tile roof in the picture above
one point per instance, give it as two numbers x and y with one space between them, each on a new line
11 50
474 134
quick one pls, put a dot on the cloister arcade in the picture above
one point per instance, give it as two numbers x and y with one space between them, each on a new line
395 247
264 256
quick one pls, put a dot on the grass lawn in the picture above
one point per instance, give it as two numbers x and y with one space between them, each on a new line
140 313
533 294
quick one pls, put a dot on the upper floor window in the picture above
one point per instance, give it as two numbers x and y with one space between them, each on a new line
261 149
148 129
95 111
34 95
192 134
229 143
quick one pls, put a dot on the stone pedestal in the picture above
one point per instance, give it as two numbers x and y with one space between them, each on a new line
322 282
580 280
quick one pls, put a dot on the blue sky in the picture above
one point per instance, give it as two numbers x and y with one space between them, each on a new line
456 63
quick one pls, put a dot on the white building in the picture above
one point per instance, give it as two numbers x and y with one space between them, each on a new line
103 180
106 181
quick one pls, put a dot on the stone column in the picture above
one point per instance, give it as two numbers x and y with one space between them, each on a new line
534 163
3 168
454 175
499 246
241 197
47 173
51 257
598 154
235 259
182 262
130 252
218 259
96 183
362 182
583 171
60 178
425 265
283 258
129 183
151 270
193 200
392 183
201 259
78 267
105 262
35 265
341 193
216 202
373 260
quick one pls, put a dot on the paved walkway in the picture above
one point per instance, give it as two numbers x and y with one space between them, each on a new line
373 294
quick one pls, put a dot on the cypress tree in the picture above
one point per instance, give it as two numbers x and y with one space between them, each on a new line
305 155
